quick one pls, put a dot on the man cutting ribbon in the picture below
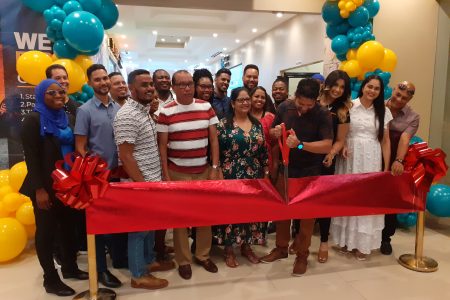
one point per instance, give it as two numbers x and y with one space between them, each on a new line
310 138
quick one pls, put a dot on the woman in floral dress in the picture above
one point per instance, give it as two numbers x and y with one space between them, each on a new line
243 155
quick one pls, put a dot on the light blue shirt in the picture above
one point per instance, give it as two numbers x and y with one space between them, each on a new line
95 120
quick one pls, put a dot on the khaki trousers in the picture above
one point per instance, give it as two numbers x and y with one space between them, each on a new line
180 235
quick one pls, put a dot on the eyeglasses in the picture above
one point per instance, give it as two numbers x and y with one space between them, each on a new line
404 87
185 85
242 100
206 86
53 92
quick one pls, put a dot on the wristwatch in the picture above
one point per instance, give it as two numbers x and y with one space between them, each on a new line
215 167
300 146
399 160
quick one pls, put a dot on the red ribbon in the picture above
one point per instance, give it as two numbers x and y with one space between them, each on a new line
86 181
284 148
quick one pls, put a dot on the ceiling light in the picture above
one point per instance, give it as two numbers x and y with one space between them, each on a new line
150 60
225 49
163 40
255 30
279 14
154 32
207 59
178 40
215 35
123 36
120 24
185 60
238 41
126 45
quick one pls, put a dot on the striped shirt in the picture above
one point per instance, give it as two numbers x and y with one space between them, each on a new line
134 125
188 131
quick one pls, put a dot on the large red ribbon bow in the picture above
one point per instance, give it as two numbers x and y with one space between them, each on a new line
86 181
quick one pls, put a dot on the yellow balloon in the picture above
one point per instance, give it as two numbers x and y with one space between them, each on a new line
84 62
352 68
350 6
3 212
370 54
351 54
4 177
363 73
389 61
341 4
17 175
344 13
4 190
342 65
13 238
358 2
76 75
25 214
12 201
31 230
31 66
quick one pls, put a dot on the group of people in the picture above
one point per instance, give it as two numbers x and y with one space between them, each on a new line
185 127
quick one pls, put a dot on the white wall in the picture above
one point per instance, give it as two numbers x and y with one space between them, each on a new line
296 42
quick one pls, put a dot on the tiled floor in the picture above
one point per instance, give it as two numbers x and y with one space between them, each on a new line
342 277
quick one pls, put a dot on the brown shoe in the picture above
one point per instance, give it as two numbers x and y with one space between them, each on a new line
207 264
293 248
322 255
246 251
185 271
230 257
276 254
164 265
148 282
300 265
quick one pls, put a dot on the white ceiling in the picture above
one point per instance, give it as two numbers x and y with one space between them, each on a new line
194 28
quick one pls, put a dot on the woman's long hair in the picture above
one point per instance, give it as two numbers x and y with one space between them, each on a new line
378 103
268 105
199 74
234 95
342 103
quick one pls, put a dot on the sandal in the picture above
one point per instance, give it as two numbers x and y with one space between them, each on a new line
360 256
230 257
322 255
247 252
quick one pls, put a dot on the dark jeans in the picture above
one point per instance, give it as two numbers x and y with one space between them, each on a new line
324 225
117 246
47 224
390 224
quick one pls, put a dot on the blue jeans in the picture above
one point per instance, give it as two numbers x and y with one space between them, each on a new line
140 252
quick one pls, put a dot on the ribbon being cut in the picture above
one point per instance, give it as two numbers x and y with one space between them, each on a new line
139 206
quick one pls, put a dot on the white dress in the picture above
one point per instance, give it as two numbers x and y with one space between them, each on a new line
364 156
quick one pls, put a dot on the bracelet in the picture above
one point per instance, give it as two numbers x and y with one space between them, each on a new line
300 146
266 172
215 167
399 160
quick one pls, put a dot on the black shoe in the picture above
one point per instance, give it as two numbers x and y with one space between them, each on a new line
120 265
109 280
386 248
77 274
58 288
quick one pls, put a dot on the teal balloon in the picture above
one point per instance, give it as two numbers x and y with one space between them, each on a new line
387 92
331 13
357 86
71 6
415 139
438 200
61 2
359 17
63 50
91 6
51 34
48 15
354 94
407 220
59 14
108 14
55 24
83 31
91 53
373 6
334 30
340 44
88 90
342 57
38 5
84 97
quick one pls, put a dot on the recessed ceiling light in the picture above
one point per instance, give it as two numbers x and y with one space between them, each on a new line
215 35
150 60
178 40
163 40
154 32
185 60
238 41
255 30
225 49
126 45
123 36
120 24
207 59
279 14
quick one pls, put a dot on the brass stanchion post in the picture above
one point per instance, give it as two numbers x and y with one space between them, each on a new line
418 262
94 293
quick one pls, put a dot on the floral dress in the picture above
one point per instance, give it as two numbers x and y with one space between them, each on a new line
243 155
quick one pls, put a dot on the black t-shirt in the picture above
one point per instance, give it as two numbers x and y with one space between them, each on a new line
335 119
315 125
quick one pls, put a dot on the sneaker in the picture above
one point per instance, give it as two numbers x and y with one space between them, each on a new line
276 254
386 248
148 282
300 265
164 265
